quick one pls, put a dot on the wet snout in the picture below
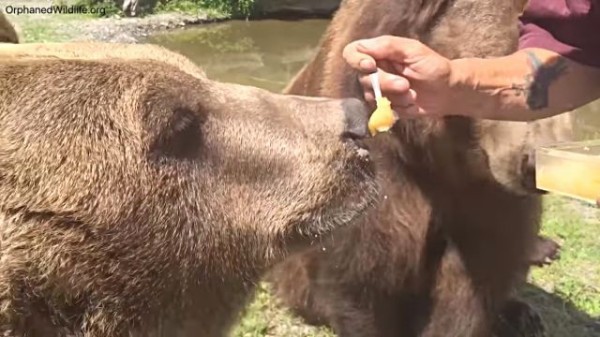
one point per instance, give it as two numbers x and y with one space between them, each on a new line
356 118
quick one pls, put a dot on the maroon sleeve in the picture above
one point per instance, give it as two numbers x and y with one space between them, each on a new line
568 27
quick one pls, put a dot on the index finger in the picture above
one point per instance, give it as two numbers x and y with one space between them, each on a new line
358 60
388 47
362 54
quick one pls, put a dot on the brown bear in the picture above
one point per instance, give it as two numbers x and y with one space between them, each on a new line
138 198
457 220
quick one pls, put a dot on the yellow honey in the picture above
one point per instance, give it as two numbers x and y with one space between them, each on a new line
382 118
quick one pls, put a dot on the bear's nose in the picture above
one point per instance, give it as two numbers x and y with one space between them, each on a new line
356 118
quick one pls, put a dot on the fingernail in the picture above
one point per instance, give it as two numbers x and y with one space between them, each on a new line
413 94
366 64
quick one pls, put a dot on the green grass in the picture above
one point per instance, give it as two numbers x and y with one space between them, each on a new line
190 7
46 27
265 318
227 8
566 293
576 276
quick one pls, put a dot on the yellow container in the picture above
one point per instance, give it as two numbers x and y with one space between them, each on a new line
571 169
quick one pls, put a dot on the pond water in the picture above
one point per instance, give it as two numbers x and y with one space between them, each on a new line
265 54
268 53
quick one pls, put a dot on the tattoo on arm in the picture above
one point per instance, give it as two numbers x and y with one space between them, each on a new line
537 83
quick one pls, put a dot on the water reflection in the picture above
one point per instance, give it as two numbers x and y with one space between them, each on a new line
265 54
268 53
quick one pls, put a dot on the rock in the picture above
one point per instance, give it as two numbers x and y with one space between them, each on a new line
296 9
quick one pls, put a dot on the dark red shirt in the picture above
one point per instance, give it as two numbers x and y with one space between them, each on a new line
568 27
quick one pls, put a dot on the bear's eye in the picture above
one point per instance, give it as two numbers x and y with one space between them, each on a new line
180 137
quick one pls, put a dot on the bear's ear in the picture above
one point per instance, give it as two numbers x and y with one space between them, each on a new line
172 116
180 137
519 6
8 32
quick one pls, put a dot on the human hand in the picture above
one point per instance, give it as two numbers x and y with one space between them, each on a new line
416 79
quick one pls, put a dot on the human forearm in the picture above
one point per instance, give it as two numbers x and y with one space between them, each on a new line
527 85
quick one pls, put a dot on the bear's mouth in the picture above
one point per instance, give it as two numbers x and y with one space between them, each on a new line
359 149
348 208
320 233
